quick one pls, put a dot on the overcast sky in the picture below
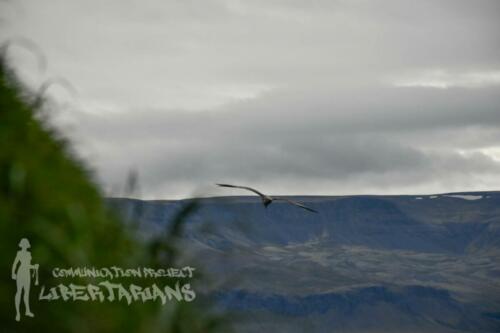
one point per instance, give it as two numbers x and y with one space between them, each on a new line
292 97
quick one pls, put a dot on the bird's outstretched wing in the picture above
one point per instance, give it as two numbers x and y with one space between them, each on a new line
244 188
295 204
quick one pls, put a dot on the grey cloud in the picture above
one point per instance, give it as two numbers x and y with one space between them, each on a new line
388 144
290 95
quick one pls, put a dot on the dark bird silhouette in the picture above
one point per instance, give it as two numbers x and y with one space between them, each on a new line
267 200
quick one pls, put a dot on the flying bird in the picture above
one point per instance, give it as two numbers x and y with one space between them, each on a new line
267 200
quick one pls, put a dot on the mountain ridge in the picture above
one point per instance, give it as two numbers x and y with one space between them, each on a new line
418 251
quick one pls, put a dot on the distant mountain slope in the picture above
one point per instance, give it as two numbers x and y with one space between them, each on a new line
363 264
440 223
410 309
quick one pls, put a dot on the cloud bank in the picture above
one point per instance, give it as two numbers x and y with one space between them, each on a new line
323 97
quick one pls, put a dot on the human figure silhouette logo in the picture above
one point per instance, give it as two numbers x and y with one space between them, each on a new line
22 271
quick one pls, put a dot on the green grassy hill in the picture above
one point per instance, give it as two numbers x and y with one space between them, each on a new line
48 196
